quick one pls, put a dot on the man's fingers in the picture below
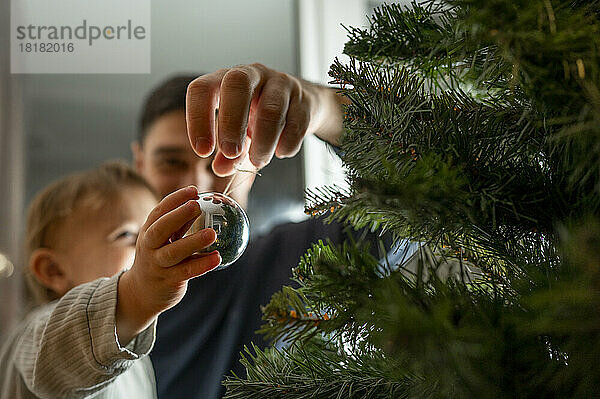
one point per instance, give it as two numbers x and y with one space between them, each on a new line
298 118
201 102
254 102
238 87
223 166
181 232
269 119
170 223
173 253
169 203
196 266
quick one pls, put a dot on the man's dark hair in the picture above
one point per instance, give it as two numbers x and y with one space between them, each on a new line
166 97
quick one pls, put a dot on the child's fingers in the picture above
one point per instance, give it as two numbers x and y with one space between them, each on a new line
181 232
169 203
179 250
196 266
160 231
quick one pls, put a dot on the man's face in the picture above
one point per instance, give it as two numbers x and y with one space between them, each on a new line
167 160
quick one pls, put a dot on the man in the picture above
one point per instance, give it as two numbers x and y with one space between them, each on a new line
262 113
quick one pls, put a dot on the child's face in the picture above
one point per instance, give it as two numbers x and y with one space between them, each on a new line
100 244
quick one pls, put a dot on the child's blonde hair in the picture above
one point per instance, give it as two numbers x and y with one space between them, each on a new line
92 188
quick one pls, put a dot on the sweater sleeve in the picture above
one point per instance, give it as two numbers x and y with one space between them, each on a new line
71 349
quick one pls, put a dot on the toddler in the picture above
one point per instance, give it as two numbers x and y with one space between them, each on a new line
105 260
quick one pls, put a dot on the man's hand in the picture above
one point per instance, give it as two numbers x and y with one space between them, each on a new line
164 262
262 113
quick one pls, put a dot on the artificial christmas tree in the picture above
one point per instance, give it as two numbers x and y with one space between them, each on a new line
472 132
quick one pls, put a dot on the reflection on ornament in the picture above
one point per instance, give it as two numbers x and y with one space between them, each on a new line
229 221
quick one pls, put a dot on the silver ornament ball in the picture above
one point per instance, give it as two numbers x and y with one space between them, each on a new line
230 222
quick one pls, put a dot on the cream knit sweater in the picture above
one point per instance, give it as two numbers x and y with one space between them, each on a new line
69 349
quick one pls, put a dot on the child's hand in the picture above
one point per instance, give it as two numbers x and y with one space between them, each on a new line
163 263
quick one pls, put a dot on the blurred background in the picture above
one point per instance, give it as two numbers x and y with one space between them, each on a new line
52 124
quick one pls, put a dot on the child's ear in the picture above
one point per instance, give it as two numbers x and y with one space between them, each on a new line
46 269
138 156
